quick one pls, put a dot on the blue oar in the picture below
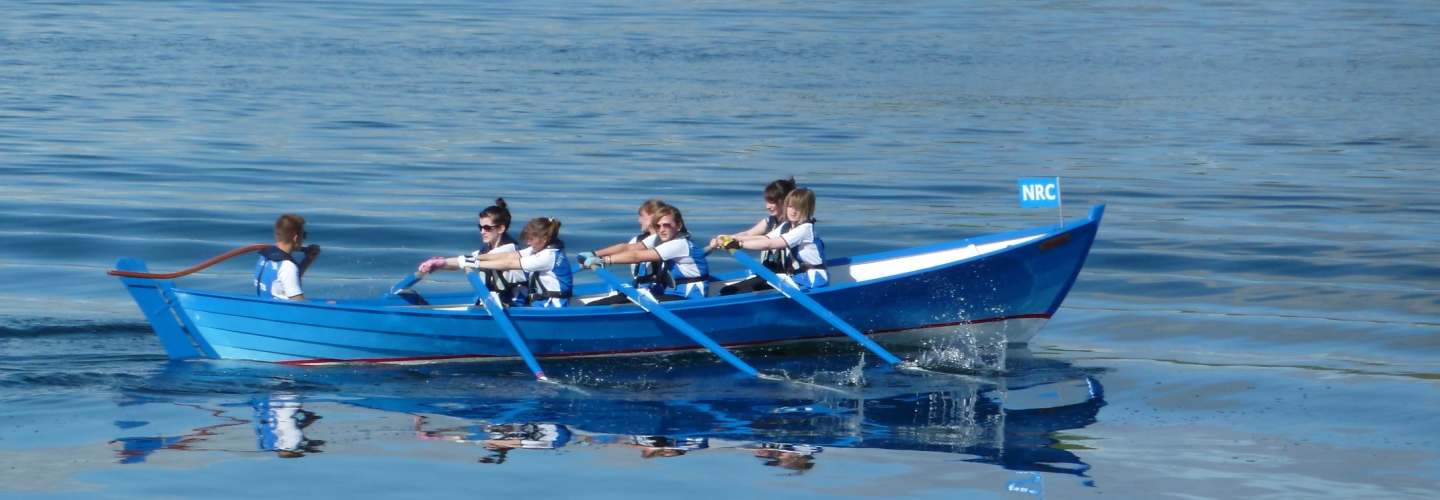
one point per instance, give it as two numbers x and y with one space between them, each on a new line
406 283
785 287
653 307
497 311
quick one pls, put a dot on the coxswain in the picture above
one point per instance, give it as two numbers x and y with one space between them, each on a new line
277 275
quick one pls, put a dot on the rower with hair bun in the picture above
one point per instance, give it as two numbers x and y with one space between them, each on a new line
494 225
548 278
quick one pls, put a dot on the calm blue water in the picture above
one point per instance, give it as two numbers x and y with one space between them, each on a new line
1260 316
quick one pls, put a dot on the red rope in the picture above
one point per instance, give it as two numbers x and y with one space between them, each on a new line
202 265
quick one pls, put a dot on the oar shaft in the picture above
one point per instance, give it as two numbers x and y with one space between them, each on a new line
804 300
497 311
165 276
406 283
653 307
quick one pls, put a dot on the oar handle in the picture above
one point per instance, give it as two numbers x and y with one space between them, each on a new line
198 267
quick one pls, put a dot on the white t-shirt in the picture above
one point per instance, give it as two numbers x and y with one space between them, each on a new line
287 281
542 263
801 240
678 250
649 240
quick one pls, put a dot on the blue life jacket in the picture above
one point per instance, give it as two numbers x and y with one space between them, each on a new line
793 264
267 269
537 291
673 277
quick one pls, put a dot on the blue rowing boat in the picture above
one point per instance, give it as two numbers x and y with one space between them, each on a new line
998 288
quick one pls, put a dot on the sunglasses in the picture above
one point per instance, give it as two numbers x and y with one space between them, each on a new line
487 228
666 225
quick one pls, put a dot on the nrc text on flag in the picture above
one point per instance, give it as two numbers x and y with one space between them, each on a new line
1040 192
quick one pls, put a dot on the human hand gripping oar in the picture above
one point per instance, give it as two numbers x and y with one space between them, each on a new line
794 293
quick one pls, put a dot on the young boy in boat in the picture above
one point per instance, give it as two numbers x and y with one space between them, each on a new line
547 269
684 271
771 226
646 273
804 256
494 225
276 274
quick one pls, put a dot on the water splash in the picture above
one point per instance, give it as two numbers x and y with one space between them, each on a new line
965 353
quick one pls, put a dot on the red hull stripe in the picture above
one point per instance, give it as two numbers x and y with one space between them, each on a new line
650 350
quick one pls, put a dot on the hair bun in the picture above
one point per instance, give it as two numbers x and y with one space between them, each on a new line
500 202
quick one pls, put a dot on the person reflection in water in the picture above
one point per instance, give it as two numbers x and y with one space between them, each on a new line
280 427
499 438
796 457
650 446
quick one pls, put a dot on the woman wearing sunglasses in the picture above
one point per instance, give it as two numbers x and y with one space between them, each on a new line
646 273
494 223
549 282
684 272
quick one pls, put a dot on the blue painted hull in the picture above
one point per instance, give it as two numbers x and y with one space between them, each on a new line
1022 284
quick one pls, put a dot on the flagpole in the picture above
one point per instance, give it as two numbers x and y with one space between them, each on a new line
1060 202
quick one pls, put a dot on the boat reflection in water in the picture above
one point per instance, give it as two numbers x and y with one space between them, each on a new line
136 449
688 404
1013 420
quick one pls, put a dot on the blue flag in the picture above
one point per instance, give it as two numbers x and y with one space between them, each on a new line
1040 192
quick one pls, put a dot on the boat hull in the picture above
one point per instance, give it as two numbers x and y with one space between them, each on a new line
1004 295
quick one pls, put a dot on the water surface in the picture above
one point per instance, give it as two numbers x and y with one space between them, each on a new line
1259 316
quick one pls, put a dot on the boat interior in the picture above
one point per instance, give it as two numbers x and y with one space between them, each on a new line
843 271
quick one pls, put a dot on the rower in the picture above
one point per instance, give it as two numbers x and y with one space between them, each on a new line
772 225
546 267
804 261
646 273
685 273
494 225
